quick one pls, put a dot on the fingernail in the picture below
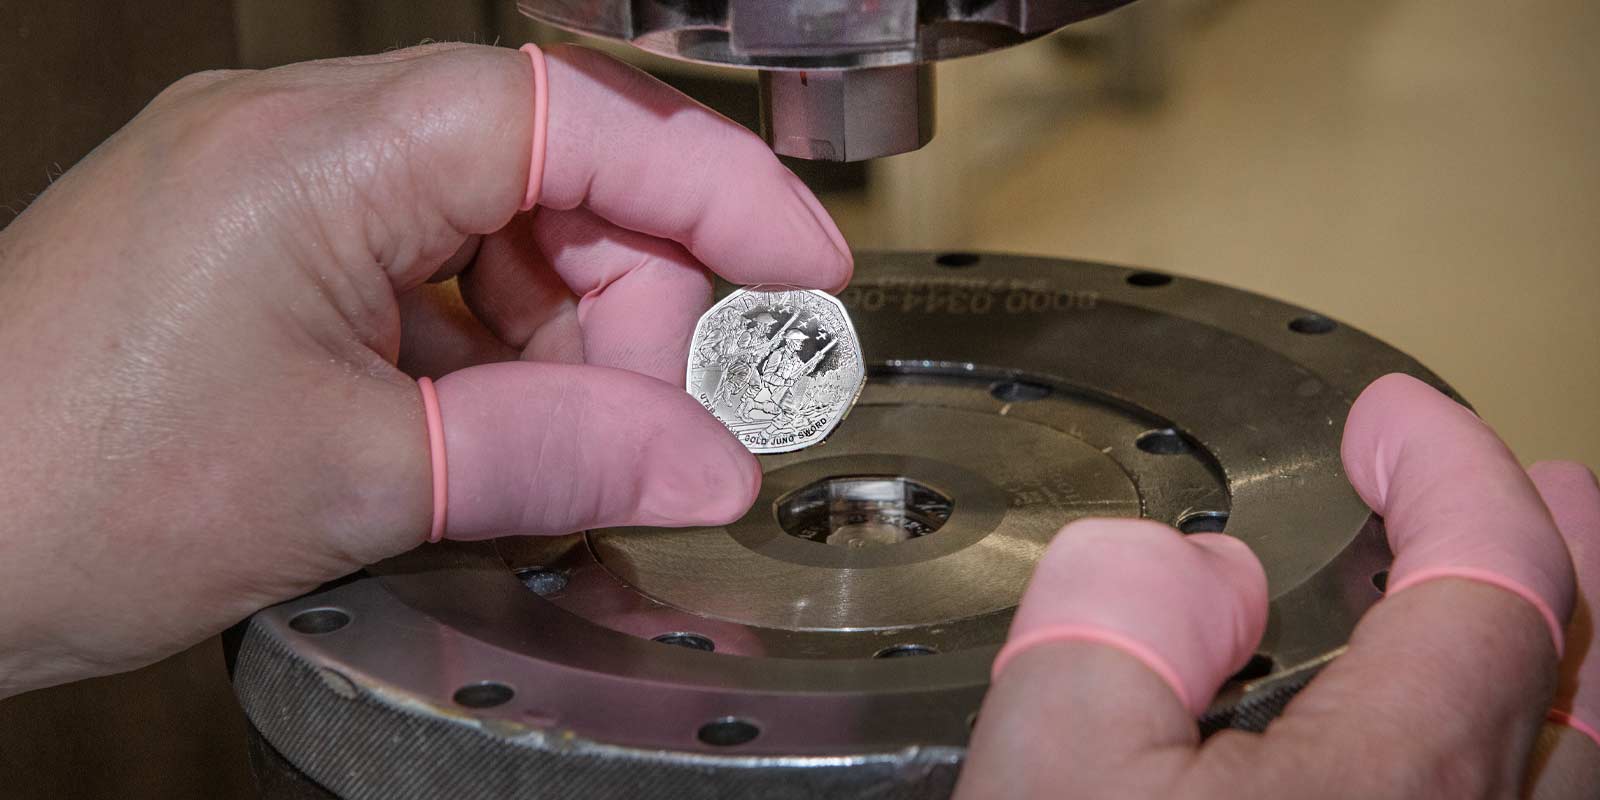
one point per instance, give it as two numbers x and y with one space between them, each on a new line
825 221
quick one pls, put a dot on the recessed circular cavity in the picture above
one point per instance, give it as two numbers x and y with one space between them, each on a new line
1162 442
1380 580
728 732
1312 324
693 641
957 260
860 511
1260 665
1204 522
542 581
1005 509
319 620
1149 280
486 694
905 650
1019 391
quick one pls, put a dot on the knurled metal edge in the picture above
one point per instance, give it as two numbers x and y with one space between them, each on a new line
358 745
1258 708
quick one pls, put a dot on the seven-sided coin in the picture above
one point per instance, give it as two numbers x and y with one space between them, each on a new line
779 366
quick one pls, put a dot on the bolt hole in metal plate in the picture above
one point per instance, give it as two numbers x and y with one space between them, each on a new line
319 620
728 732
851 616
486 694
693 641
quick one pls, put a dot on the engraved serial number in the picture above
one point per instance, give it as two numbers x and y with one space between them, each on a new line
966 296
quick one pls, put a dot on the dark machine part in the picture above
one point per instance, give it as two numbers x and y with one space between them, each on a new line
841 80
836 641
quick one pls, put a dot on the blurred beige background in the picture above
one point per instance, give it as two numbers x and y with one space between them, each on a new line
1426 170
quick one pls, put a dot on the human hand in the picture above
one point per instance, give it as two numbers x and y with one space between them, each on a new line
201 323
1442 690
1566 762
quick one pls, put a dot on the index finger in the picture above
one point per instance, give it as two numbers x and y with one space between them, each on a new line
645 157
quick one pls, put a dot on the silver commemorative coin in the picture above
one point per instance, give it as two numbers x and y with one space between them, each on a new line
781 367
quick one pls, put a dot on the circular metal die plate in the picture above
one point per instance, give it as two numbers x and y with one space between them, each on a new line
836 640
781 367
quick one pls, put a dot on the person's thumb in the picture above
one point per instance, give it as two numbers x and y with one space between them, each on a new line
555 448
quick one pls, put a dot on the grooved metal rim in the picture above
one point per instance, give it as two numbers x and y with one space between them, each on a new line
1189 382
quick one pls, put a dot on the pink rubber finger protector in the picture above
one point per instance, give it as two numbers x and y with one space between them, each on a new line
541 125
644 157
1455 502
441 479
1191 609
1573 497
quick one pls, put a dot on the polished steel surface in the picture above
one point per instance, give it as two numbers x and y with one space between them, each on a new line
841 80
847 115
1008 395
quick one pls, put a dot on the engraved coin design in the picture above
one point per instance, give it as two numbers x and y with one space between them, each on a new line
781 367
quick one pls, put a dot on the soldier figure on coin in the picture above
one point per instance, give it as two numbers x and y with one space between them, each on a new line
778 371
